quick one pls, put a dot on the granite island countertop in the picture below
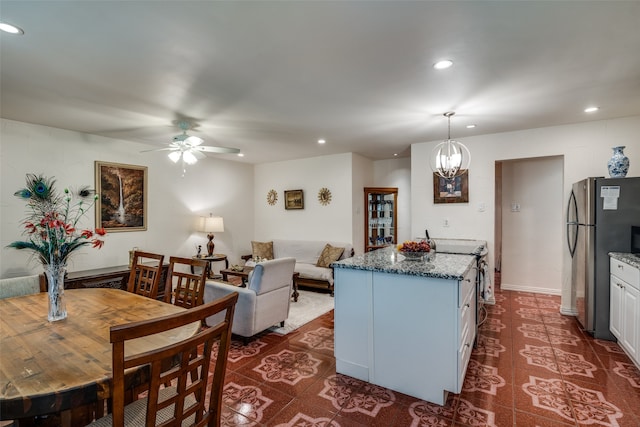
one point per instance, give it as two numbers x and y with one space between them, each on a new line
627 257
388 260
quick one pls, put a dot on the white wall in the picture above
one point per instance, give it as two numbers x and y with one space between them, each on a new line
585 147
315 221
222 187
532 230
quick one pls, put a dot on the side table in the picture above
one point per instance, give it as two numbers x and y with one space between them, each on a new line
210 259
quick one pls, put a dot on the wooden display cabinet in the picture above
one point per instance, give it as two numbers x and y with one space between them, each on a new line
381 220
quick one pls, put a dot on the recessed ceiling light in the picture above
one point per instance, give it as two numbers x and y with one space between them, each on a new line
240 154
441 65
591 109
471 126
395 154
11 29
321 141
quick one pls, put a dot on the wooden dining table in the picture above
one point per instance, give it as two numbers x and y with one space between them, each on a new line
49 367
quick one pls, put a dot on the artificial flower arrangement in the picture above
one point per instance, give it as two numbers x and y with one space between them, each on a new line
52 234
52 220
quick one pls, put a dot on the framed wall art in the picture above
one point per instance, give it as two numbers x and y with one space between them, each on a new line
293 199
122 201
454 190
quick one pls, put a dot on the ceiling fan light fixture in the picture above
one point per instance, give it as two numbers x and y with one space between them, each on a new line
175 156
450 158
189 158
194 140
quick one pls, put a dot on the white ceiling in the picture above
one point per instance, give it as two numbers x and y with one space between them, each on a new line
271 77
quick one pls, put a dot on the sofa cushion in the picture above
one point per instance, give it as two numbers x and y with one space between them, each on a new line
310 271
262 250
329 254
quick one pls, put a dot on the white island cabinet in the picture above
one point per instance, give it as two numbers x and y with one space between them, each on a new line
625 303
406 325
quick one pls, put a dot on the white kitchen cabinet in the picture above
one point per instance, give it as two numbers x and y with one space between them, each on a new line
625 307
412 334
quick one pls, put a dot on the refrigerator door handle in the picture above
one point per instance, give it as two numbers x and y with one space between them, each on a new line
572 223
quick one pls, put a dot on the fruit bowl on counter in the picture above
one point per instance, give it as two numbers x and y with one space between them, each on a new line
414 251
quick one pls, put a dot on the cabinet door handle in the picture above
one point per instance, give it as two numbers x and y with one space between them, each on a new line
467 305
620 267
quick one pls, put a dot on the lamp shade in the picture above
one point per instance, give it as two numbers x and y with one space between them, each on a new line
212 224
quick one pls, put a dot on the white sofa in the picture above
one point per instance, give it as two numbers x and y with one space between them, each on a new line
306 253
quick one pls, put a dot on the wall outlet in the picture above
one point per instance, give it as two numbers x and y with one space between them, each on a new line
445 222
515 207
482 207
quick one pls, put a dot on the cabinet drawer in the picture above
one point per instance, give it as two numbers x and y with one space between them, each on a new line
466 325
626 272
465 289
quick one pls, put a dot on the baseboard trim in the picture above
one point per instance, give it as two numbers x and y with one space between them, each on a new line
568 311
531 289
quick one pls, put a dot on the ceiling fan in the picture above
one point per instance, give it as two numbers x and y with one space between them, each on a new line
188 148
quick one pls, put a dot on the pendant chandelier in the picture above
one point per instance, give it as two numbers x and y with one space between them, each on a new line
450 158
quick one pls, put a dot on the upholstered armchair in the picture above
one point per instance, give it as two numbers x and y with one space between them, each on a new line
263 303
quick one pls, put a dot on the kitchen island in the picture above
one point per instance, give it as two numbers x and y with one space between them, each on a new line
405 325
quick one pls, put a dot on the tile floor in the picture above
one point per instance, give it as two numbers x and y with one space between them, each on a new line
532 367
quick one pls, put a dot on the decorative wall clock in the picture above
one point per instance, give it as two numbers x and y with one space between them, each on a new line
272 197
324 196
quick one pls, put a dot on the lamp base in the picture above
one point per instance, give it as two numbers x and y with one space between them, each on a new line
210 245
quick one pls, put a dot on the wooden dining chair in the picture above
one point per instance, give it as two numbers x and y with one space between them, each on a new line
185 365
185 281
146 271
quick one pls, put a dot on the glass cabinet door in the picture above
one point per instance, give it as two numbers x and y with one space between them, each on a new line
381 218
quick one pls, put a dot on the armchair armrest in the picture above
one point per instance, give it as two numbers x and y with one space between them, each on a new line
244 307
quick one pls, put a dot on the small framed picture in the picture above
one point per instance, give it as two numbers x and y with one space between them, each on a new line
454 190
122 201
293 199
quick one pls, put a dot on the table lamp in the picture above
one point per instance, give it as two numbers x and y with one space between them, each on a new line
211 224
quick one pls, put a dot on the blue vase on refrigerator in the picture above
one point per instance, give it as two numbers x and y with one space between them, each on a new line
618 164
600 216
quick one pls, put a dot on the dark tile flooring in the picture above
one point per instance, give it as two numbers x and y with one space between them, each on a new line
532 367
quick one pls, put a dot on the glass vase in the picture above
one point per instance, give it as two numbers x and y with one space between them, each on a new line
55 280
618 164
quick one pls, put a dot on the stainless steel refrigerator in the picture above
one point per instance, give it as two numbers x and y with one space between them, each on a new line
600 214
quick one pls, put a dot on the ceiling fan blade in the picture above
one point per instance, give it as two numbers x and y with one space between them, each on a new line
220 150
198 154
161 149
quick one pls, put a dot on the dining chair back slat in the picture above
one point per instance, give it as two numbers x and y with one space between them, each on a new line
185 283
185 365
146 271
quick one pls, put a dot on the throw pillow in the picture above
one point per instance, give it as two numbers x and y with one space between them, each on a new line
262 249
329 254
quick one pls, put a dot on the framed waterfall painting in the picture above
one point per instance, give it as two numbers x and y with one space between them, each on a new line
122 197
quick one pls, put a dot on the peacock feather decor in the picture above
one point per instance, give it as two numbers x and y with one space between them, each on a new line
52 220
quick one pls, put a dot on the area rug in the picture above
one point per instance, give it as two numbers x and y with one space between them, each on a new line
310 305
